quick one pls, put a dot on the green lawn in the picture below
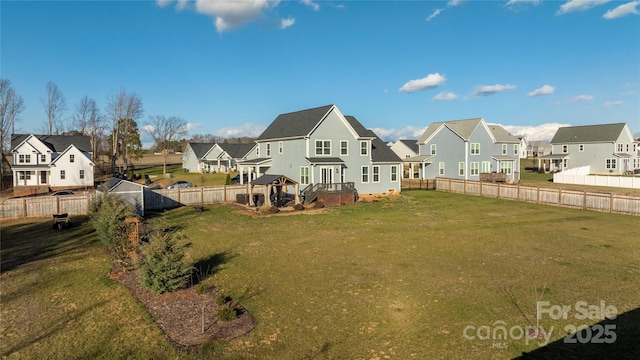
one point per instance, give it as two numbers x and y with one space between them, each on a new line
398 278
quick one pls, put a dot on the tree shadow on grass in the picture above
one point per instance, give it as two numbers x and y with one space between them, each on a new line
626 345
28 242
59 325
208 266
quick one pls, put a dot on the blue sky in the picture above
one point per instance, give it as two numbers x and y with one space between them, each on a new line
229 68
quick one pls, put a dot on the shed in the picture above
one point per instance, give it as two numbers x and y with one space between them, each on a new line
130 192
281 184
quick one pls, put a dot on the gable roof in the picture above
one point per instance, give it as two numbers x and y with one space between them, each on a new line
61 155
294 124
588 133
502 135
380 151
411 144
201 149
463 128
56 143
237 151
359 128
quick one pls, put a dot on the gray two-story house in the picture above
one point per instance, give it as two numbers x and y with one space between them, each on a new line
463 149
323 146
604 148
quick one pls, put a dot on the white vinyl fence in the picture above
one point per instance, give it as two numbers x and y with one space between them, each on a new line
632 182
567 198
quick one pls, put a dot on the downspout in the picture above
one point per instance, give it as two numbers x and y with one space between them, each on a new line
466 160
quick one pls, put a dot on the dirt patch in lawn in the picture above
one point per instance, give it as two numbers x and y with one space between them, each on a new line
181 314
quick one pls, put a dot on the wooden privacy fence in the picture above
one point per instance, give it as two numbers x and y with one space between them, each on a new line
604 202
417 184
44 206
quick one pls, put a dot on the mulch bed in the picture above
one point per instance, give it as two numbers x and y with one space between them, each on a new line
179 314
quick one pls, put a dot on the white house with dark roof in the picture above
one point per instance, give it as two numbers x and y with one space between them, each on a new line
323 146
406 149
51 161
604 148
463 149
214 157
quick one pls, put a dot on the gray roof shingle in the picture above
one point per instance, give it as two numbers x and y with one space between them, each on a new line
237 151
57 143
294 124
411 144
201 149
464 128
588 133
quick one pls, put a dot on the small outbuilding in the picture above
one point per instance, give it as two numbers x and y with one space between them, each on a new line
132 193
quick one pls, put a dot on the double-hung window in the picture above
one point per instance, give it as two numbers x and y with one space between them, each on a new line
376 173
344 147
323 147
475 149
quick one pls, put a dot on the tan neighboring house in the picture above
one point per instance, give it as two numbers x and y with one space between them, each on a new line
50 162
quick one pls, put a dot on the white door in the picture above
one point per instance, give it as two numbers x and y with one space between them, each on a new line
326 175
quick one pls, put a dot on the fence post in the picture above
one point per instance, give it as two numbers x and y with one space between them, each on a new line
464 186
584 201
518 192
224 194
611 203
202 195
24 207
498 190
559 197
537 194
57 204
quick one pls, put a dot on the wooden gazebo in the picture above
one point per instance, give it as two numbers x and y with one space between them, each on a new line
273 184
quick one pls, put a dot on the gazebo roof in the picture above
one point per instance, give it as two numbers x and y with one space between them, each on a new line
273 179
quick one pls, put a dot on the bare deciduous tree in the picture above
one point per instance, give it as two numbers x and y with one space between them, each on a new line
164 130
88 121
121 106
11 105
54 106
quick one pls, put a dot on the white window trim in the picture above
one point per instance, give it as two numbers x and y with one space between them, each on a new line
477 169
433 149
477 150
345 148
505 149
441 167
461 168
373 174
365 148
280 147
581 147
302 182
268 150
315 151
362 173
392 173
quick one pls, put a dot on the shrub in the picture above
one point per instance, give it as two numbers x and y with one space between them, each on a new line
163 267
108 213
228 180
227 313
221 300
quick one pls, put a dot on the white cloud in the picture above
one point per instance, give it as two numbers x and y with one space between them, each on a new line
609 104
445 96
285 23
622 10
182 4
545 90
193 126
579 5
521 2
230 15
630 92
247 129
486 90
311 4
535 133
428 82
409 132
455 2
435 13
163 3
582 98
